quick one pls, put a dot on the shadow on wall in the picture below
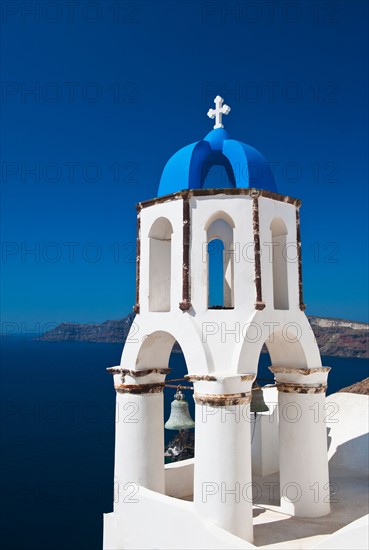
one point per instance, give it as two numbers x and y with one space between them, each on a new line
352 454
348 494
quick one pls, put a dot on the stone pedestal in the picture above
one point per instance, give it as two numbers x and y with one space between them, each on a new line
139 433
303 456
222 478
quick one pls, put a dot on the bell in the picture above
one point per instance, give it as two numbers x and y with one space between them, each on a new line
180 418
258 404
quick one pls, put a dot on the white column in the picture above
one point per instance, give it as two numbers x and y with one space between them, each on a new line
139 433
222 478
303 455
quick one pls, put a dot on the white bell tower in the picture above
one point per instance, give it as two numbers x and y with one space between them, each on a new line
262 303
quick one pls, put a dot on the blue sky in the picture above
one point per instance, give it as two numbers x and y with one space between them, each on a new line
118 87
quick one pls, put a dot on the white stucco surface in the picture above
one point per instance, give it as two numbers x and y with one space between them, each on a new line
221 348
173 523
230 339
347 419
354 535
179 478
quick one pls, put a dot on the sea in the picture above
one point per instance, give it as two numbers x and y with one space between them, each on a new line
57 437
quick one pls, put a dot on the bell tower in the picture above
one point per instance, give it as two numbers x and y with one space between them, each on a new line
260 285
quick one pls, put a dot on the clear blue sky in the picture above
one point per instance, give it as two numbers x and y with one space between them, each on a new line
120 86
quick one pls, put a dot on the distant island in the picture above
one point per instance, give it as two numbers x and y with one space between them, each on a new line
335 337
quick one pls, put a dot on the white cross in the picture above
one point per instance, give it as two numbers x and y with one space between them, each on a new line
219 110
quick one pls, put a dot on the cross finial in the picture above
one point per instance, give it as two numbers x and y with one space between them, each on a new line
218 112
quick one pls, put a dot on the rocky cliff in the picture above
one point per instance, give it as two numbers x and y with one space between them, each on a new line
108 331
335 337
361 387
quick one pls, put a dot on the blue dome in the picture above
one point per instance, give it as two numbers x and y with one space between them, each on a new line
188 167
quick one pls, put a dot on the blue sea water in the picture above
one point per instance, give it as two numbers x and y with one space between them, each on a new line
57 438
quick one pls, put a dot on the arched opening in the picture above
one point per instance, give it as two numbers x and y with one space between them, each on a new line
217 177
160 236
161 350
260 350
178 446
220 262
217 172
279 264
285 436
264 376
215 274
264 432
285 347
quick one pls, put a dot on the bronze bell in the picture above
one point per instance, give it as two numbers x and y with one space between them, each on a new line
258 404
180 418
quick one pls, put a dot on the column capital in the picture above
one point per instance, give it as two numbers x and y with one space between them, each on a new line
221 390
225 400
299 380
139 381
301 388
139 388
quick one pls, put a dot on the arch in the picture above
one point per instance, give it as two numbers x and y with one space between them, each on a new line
217 159
278 229
158 332
245 166
290 344
160 257
220 227
283 352
155 350
153 409
217 176
161 229
220 215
